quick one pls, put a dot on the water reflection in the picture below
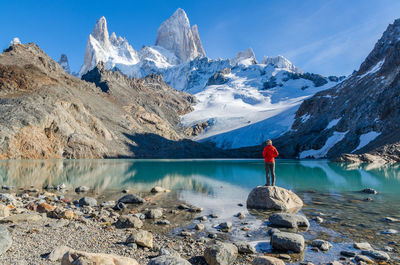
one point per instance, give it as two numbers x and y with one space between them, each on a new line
201 176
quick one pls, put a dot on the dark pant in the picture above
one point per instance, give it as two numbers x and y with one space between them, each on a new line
270 167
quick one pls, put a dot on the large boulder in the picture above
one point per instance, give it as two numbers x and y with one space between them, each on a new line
5 239
288 220
220 253
287 242
74 257
274 198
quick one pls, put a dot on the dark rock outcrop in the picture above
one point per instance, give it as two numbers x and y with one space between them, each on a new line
358 116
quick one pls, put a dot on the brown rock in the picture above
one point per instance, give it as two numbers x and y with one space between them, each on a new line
45 208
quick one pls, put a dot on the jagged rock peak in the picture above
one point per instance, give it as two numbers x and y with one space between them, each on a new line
111 50
280 62
100 31
246 57
176 35
383 49
64 63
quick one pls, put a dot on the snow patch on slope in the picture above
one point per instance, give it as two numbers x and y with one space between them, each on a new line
366 138
321 153
373 69
332 123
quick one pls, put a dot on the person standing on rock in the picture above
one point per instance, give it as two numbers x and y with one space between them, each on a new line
269 155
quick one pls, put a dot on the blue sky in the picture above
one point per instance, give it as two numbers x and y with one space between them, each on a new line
326 37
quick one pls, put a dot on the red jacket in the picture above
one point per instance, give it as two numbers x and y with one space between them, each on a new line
270 153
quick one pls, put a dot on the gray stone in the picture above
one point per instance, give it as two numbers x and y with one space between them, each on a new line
390 220
141 237
363 259
376 254
245 248
362 246
154 213
288 220
5 239
158 190
287 242
199 227
168 252
57 253
349 254
274 198
6 197
266 260
225 226
119 206
168 260
321 244
88 201
220 253
369 191
273 231
82 189
389 232
241 215
128 221
163 222
131 199
4 211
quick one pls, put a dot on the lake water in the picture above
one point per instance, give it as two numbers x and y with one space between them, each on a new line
328 189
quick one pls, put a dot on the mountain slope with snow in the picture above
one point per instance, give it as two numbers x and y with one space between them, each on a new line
250 104
237 97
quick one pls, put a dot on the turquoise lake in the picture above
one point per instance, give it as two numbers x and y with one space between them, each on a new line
330 190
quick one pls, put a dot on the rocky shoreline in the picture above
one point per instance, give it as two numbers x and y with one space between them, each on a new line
55 226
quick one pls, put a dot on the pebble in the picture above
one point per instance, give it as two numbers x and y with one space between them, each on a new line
199 227
390 220
240 215
369 191
389 232
349 254
82 189
362 246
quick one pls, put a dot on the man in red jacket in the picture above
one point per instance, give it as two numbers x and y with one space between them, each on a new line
269 155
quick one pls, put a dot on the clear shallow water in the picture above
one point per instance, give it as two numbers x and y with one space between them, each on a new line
219 186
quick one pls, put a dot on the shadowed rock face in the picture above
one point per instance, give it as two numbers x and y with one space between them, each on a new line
47 113
359 115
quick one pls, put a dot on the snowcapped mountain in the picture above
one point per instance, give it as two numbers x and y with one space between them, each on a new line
240 102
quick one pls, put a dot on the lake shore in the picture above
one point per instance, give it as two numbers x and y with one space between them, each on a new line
41 220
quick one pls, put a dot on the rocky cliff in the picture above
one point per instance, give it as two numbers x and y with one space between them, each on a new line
47 113
358 116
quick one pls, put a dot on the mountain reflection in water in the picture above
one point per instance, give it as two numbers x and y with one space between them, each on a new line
202 176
